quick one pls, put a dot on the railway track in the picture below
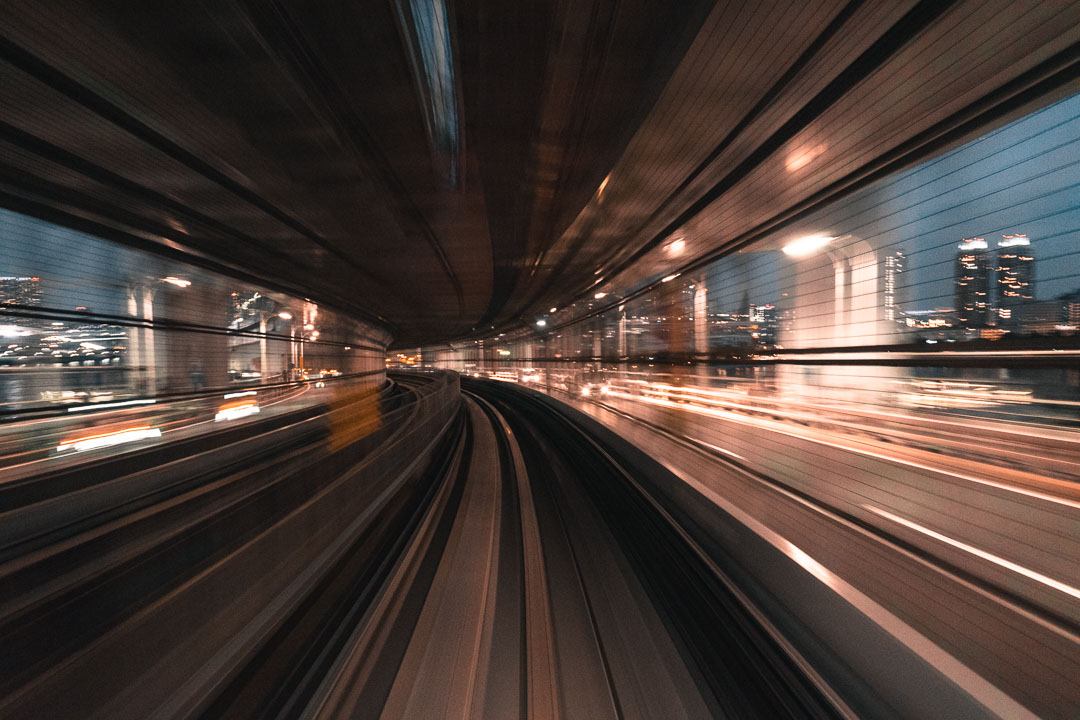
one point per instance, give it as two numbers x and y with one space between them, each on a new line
545 582
487 558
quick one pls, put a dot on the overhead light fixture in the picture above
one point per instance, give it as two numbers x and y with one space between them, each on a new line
178 282
669 278
804 156
553 310
808 244
285 315
600 295
675 247
541 323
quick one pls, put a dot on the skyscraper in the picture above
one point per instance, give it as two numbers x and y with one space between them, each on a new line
1015 274
894 268
765 320
972 299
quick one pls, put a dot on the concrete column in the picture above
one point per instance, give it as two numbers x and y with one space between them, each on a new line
133 356
839 306
149 340
264 367
865 303
622 335
188 360
840 290
701 318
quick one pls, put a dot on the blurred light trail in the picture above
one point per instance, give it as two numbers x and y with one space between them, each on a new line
780 427
117 437
719 449
103 406
234 411
996 559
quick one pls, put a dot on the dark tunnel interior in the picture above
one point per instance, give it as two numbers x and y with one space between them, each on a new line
542 359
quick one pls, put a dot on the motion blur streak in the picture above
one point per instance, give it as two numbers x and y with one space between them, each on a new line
683 394
539 359
1068 589
117 437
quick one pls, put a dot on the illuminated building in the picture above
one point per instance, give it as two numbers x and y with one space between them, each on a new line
1041 317
1071 302
25 291
20 292
1048 317
894 268
764 317
1015 274
935 325
972 298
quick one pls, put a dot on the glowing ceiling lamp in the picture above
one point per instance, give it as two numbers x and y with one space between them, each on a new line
806 245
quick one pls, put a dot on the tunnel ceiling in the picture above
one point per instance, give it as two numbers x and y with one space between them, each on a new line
455 168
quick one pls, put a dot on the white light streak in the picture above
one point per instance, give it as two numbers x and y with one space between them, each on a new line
996 559
719 449
103 406
776 427
93 442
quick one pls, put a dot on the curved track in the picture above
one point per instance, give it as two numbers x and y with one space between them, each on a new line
545 582
500 563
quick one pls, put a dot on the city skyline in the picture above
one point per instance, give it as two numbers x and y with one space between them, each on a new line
1015 181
